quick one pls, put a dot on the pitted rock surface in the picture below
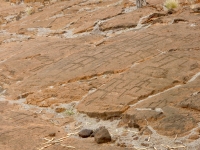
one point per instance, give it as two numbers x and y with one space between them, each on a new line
108 59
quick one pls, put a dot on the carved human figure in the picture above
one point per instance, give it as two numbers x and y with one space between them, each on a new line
140 3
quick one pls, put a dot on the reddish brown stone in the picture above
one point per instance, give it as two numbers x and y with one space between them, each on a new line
102 55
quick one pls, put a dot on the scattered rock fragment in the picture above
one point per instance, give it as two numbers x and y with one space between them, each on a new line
102 136
136 119
145 144
121 144
179 20
194 137
196 10
191 102
85 133
153 17
132 124
178 142
52 134
135 138
24 95
59 110
159 7
145 131
171 11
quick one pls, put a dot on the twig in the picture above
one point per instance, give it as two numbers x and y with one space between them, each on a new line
52 21
44 147
147 122
70 147
155 148
171 148
149 138
48 141
53 141
67 146
175 137
87 123
176 147
132 131
141 148
58 141
69 134
78 127
39 112
164 146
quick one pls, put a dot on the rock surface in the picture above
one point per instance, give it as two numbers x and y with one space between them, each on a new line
139 68
23 130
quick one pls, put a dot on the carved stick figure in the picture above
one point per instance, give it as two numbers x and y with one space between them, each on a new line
140 3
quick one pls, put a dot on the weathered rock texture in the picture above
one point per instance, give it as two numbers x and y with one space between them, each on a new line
142 65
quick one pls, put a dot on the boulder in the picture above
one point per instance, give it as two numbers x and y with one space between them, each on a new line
85 133
102 136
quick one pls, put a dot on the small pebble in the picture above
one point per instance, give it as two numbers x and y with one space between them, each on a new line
52 134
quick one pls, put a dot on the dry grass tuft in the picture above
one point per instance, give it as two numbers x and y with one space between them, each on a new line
171 4
29 10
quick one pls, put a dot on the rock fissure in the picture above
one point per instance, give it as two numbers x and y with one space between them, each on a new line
146 97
